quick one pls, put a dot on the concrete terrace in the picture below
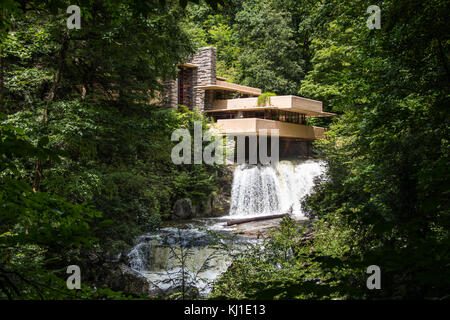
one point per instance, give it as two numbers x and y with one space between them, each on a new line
235 107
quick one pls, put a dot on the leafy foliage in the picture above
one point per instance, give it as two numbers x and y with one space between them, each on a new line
255 43
264 99
385 198
84 134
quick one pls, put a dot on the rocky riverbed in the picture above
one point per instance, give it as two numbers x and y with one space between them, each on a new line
186 257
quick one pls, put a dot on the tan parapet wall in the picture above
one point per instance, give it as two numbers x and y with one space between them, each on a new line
288 103
251 126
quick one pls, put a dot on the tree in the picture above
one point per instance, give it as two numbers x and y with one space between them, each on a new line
255 43
386 151
82 136
384 200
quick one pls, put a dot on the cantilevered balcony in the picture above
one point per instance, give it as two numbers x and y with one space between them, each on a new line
308 107
252 126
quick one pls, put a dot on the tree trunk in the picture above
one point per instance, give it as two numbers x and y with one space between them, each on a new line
49 99
444 60
57 77
1 69
245 220
1 75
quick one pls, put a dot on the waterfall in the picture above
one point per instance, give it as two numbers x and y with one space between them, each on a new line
256 190
273 189
158 257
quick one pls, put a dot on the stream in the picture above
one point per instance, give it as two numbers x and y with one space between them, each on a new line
189 257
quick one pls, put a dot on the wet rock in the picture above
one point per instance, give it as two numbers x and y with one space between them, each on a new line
220 200
207 207
130 282
203 209
258 229
220 204
183 208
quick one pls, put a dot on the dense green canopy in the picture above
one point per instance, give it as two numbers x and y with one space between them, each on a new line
83 145
84 153
385 199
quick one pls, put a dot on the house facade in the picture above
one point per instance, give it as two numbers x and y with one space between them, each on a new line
237 110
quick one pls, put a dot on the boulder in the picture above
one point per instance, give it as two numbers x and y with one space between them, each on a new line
123 278
220 203
183 208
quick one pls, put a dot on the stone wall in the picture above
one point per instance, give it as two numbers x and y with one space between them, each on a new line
170 95
202 75
186 86
290 149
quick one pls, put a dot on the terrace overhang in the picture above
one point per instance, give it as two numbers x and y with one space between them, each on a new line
228 86
308 107
253 126
187 65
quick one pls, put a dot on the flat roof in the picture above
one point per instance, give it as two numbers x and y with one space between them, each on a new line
229 86
188 65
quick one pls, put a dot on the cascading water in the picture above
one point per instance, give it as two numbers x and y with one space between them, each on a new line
273 189
256 190
171 256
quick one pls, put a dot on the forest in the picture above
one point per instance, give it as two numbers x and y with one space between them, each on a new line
85 142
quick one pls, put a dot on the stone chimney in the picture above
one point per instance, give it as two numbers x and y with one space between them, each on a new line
203 74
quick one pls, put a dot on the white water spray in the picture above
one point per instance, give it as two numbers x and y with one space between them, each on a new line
265 190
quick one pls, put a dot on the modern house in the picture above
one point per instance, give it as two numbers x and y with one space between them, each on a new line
236 110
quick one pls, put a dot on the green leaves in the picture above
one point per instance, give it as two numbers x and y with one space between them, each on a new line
385 199
379 144
81 130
